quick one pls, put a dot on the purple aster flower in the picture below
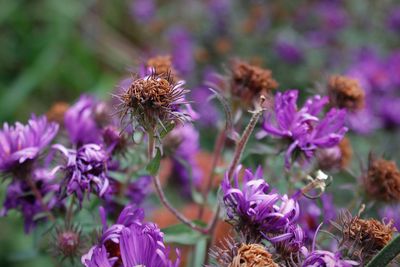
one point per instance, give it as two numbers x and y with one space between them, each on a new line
322 258
289 52
19 196
143 11
183 49
393 20
291 240
21 144
86 170
118 245
80 122
302 127
251 208
186 172
391 212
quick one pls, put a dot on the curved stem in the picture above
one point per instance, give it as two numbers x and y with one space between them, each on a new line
218 148
160 192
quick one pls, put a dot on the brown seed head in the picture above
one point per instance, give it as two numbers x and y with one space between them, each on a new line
346 152
152 100
162 65
382 180
253 255
249 82
345 92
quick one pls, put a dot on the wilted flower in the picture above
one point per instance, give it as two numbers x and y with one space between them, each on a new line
345 92
252 209
364 237
161 65
302 127
21 144
248 82
57 111
85 170
129 242
19 196
154 100
382 180
234 254
80 122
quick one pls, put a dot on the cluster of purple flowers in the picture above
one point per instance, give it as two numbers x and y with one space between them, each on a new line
129 242
379 77
303 128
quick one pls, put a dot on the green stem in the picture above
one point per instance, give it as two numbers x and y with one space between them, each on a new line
387 254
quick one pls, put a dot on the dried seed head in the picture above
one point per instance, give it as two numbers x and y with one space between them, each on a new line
253 255
346 152
365 237
382 180
248 82
57 111
154 100
225 252
162 65
345 92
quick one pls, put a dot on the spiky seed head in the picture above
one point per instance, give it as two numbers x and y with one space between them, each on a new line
345 92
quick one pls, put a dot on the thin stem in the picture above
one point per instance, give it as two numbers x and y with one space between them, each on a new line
39 197
387 254
218 148
174 211
161 195
245 138
70 212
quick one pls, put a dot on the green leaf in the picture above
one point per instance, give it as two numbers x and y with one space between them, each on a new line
154 164
200 253
182 234
166 129
387 254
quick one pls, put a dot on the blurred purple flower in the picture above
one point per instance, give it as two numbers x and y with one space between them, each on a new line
252 206
85 169
393 20
182 49
305 130
129 242
391 212
80 122
185 169
19 196
138 190
289 52
21 144
143 11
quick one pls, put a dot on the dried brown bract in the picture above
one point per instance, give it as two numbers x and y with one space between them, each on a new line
364 237
345 92
233 254
162 65
382 180
153 100
57 111
248 82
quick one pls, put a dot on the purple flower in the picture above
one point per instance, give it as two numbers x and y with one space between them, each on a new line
289 52
393 20
186 171
80 122
302 127
21 144
143 11
290 241
86 170
252 206
183 49
19 196
391 212
322 258
138 190
129 242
